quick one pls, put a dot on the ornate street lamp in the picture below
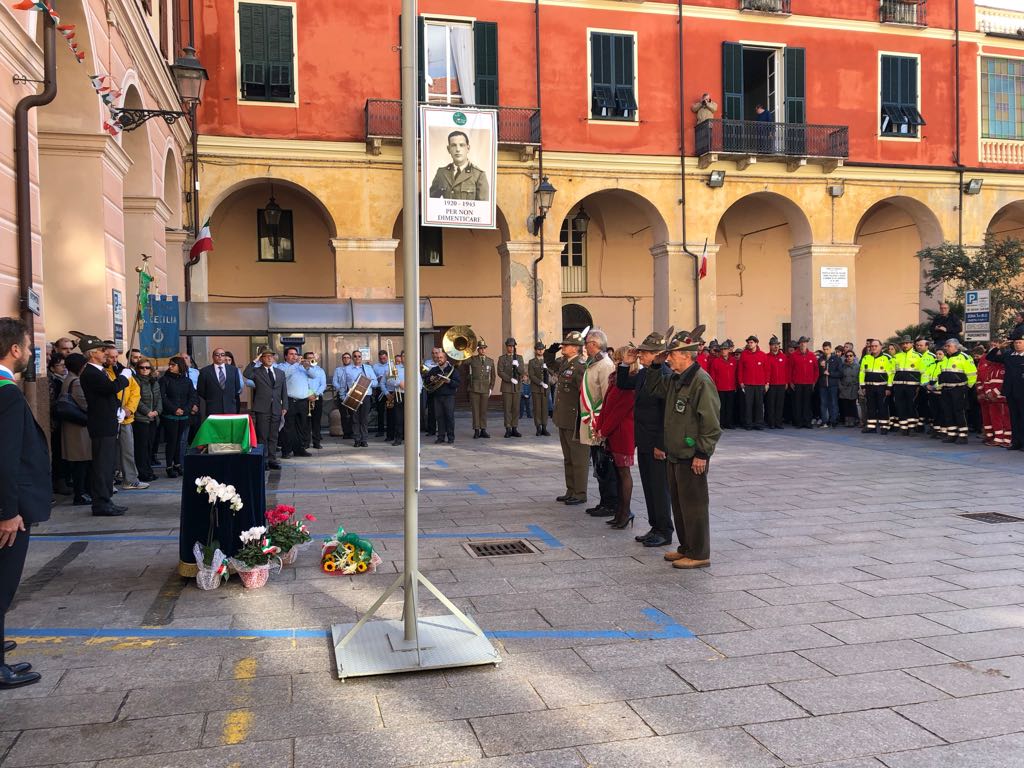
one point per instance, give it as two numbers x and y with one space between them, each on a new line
189 76
543 197
580 221
272 221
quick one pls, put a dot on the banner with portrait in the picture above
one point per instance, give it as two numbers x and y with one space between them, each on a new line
458 166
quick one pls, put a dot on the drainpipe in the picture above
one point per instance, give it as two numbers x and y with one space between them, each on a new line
540 173
194 193
23 199
957 159
682 172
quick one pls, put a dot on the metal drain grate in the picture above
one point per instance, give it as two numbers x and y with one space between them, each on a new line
500 548
993 517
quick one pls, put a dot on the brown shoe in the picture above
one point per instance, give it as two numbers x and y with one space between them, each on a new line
687 563
670 556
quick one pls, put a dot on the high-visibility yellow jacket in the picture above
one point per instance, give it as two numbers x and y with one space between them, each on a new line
958 370
909 367
877 371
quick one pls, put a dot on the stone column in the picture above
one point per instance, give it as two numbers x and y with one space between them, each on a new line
364 267
518 290
178 243
145 221
675 273
822 312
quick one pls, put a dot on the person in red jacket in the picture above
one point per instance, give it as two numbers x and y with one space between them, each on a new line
803 373
778 382
723 373
703 358
753 378
615 425
995 414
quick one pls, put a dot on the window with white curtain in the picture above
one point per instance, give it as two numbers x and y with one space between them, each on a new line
449 62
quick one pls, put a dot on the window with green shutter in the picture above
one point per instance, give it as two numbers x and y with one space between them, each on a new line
900 114
612 76
267 52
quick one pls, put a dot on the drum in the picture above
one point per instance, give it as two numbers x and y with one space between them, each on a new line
357 393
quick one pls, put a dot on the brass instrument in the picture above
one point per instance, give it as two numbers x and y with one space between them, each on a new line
392 375
459 342
438 380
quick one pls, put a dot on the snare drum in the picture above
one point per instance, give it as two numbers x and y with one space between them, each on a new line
357 393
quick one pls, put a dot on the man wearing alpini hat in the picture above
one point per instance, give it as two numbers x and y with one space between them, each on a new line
575 455
511 371
692 431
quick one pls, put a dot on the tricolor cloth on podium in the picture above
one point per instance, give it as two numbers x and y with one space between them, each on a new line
226 433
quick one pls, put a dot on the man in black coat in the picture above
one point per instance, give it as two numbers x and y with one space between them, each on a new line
24 484
945 326
1013 385
104 422
219 385
269 402
649 434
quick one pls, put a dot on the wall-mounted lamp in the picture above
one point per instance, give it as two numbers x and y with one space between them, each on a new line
580 221
272 221
836 190
716 179
973 187
543 197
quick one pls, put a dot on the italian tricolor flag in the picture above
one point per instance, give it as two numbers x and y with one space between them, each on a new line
203 243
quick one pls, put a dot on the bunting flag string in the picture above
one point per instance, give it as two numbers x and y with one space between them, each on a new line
104 85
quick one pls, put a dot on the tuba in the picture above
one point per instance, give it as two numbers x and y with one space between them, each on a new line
459 342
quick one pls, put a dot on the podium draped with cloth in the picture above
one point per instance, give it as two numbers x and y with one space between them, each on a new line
232 456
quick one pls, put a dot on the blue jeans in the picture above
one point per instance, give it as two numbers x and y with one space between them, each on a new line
525 411
828 400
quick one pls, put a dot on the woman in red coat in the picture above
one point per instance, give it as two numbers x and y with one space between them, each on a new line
615 425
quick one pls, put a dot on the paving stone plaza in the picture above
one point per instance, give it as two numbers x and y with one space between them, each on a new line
851 618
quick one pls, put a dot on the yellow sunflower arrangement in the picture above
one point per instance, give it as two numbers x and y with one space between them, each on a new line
347 554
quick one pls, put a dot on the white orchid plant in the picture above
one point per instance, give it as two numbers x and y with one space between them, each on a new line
256 547
217 493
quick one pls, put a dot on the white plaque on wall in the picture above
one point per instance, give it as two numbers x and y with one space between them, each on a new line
835 277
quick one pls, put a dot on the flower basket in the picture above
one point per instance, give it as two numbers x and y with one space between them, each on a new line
254 576
209 576
289 557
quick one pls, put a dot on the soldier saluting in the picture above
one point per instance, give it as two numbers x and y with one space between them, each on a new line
511 370
460 179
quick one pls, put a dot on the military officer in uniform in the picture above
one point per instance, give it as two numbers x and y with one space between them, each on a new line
539 380
575 455
460 179
480 374
511 369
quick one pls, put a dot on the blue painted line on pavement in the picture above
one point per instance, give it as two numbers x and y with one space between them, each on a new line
473 488
532 531
669 630
478 490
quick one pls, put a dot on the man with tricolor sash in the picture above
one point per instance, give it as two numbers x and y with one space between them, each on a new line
600 370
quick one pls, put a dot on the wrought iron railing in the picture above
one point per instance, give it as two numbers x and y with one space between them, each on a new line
765 6
750 137
912 12
516 125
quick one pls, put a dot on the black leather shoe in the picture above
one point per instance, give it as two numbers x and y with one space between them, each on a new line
9 678
21 668
657 540
538 431
508 432
439 441
563 497
451 440
476 434
516 432
544 432
644 536
572 502
483 433
318 447
274 464
304 454
110 511
82 501
600 511
9 645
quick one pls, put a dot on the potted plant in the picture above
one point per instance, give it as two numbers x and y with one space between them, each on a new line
254 560
211 563
286 533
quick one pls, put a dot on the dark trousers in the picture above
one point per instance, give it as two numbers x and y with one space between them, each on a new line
848 409
296 425
175 430
346 421
315 424
802 404
775 405
654 479
924 413
79 477
753 406
828 404
381 406
361 420
12 563
142 434
267 427
1016 407
954 406
904 398
393 416
936 410
575 457
444 407
607 477
104 459
689 493
431 426
727 411
877 408
59 469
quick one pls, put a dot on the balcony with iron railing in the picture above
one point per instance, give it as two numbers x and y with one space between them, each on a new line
910 12
1000 22
766 6
517 126
745 141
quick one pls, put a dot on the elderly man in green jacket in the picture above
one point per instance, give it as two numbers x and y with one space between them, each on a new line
692 430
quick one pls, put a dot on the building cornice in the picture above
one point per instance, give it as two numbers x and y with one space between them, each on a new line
18 50
148 205
85 144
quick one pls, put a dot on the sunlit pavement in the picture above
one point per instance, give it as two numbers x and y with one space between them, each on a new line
851 617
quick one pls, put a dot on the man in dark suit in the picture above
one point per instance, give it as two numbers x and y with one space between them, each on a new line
24 484
103 421
219 385
268 402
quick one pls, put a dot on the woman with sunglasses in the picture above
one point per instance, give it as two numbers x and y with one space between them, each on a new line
147 419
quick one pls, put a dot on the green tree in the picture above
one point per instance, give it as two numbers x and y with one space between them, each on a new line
998 266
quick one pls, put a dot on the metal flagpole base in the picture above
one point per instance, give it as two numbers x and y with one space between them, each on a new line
380 648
